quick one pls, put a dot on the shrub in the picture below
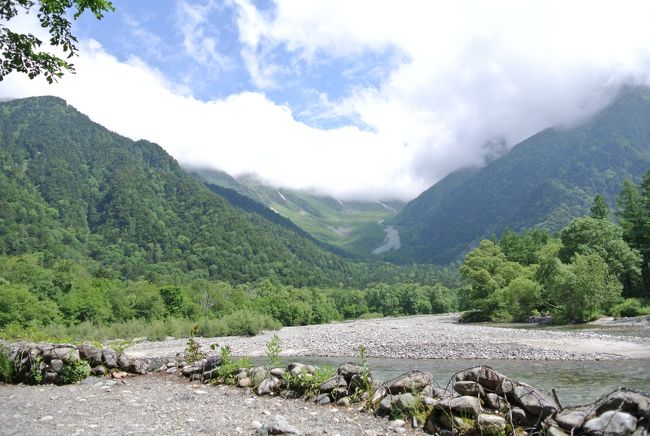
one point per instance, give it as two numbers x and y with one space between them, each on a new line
229 368
629 307
6 367
75 371
307 385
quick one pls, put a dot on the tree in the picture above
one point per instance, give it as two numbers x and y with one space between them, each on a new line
600 209
20 52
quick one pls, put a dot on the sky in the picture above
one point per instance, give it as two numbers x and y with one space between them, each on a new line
363 99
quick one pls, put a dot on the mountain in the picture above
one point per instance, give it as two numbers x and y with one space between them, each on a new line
545 181
351 226
69 188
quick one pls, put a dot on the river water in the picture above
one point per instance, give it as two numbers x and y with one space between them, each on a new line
391 242
576 382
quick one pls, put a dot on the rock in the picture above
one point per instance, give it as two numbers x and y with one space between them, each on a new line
469 388
323 399
554 430
212 362
51 377
405 402
491 424
534 401
244 382
386 404
277 425
413 381
138 367
347 370
331 383
277 372
467 406
91 354
627 401
359 382
344 402
611 423
65 353
486 376
98 370
494 402
119 374
378 395
397 423
109 358
457 423
339 392
209 375
242 374
518 416
267 386
570 419
56 365
123 362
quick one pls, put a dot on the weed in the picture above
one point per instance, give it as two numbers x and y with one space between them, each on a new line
229 368
34 375
6 367
308 385
193 351
273 351
74 371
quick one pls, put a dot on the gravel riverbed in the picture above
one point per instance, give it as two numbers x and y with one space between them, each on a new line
422 337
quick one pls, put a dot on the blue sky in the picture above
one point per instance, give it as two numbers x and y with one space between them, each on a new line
364 99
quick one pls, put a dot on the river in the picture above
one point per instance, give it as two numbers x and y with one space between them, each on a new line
391 242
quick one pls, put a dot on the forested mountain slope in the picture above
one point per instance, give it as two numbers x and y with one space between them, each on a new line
70 188
544 181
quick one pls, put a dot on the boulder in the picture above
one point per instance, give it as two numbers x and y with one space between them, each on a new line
109 358
386 404
98 370
518 416
138 367
323 399
628 401
339 392
570 419
494 402
331 383
212 362
554 430
277 372
458 424
244 382
486 376
56 365
414 381
466 405
267 386
491 424
532 400
277 425
123 361
347 370
188 370
469 388
405 402
257 372
209 375
90 354
344 402
611 423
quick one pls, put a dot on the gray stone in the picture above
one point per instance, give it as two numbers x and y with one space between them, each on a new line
171 370
405 402
56 365
518 416
91 354
71 356
138 367
212 362
258 373
491 424
209 375
109 358
554 430
339 392
242 374
611 423
344 402
461 425
570 419
347 370
98 370
244 382
413 381
277 372
323 399
494 402
123 361
487 377
189 370
378 395
534 401
469 388
466 405
267 386
331 383
627 401
277 425
386 404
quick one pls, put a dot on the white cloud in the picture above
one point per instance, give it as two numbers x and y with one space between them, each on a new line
470 73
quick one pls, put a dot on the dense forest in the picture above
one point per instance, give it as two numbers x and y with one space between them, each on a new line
592 267
544 181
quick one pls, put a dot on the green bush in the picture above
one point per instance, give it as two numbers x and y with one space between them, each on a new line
75 371
630 307
229 368
6 367
307 385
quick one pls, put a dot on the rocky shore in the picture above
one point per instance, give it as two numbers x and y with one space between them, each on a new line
422 337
